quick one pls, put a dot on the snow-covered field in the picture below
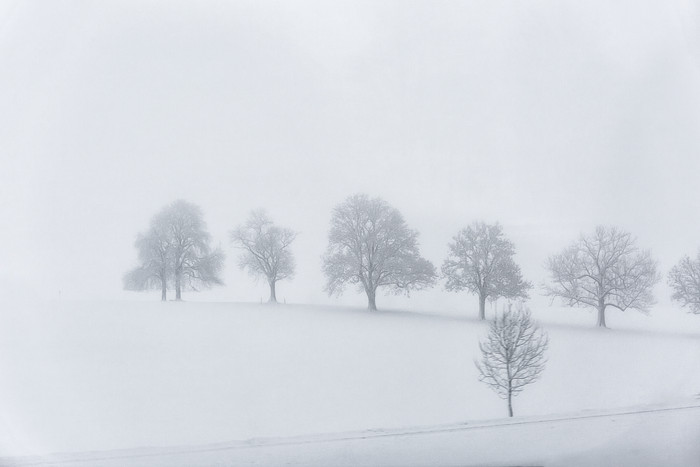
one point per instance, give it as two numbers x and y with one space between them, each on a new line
94 376
639 437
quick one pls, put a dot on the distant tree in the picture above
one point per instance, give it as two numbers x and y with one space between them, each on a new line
194 263
513 354
175 251
603 269
154 270
684 279
370 246
481 261
266 251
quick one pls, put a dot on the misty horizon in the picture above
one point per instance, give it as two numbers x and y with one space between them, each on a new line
113 112
291 149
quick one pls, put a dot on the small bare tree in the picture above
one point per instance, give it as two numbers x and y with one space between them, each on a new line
266 250
601 270
513 354
684 279
481 261
370 245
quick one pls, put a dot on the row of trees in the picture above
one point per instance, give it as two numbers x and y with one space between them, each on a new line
371 247
175 252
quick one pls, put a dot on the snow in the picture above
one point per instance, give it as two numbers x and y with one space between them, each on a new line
96 376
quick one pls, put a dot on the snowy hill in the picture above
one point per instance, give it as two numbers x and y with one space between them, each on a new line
96 376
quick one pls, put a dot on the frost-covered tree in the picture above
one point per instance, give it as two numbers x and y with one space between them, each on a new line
194 263
154 270
266 249
370 246
481 261
175 251
601 270
513 354
684 279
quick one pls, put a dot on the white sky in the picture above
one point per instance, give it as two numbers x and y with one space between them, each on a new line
548 116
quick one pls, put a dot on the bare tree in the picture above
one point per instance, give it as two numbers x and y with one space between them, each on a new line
175 250
684 279
265 248
370 245
194 263
513 354
481 261
154 269
601 270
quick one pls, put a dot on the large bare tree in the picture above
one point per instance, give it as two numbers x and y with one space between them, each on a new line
684 279
370 246
513 354
194 263
266 249
601 270
154 270
481 261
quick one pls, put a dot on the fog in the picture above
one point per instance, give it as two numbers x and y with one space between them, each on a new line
549 117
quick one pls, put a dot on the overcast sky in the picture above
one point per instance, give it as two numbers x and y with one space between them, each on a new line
548 116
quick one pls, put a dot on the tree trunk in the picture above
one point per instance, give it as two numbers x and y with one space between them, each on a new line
510 404
482 306
178 293
273 295
371 303
601 314
163 291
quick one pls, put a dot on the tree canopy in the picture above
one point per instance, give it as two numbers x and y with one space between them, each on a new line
481 261
370 246
175 251
265 249
603 269
684 280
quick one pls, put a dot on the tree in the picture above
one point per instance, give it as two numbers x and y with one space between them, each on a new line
481 261
370 246
175 250
512 356
266 250
601 270
154 257
194 263
684 279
